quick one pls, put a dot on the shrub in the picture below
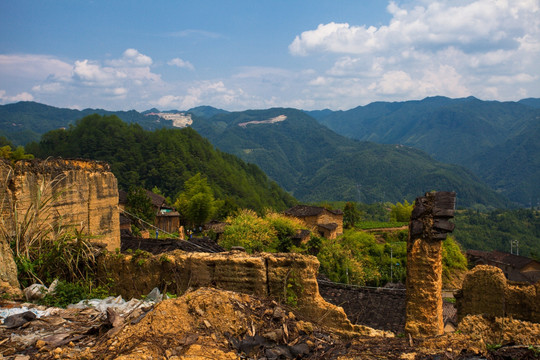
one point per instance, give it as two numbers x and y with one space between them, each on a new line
247 229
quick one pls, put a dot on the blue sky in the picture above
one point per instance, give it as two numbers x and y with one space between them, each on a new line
235 55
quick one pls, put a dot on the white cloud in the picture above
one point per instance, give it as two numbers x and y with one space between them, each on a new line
24 96
29 66
452 48
131 57
474 26
84 81
181 64
201 93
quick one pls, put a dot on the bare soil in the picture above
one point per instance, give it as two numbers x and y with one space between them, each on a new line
216 324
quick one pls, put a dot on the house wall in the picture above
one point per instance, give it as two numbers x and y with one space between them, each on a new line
327 217
169 224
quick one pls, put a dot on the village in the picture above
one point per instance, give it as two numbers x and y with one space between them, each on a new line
233 304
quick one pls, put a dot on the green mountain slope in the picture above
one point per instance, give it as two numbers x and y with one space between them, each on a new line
165 158
468 132
516 171
315 164
26 121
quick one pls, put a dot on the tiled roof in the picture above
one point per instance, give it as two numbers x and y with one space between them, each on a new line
307 210
516 261
156 200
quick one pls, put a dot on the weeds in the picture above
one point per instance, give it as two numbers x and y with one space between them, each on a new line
44 247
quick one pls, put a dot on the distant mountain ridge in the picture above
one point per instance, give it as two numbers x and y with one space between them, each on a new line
480 135
315 164
495 140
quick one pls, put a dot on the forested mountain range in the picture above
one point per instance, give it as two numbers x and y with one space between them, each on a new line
498 141
163 158
315 164
26 121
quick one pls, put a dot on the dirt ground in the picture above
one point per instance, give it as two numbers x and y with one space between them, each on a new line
216 324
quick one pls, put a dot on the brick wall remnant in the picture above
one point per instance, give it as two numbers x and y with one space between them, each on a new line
82 194
487 291
428 227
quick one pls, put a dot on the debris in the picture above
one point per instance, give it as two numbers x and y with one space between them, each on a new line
35 292
18 320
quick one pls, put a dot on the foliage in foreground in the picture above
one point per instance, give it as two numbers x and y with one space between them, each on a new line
356 257
46 249
271 233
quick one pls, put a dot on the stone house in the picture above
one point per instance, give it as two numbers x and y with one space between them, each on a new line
324 222
515 267
167 218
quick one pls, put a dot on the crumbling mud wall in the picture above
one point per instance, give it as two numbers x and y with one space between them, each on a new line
8 270
486 291
78 193
289 278
427 228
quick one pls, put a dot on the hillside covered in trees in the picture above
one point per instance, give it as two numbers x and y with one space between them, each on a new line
316 164
495 230
498 141
164 158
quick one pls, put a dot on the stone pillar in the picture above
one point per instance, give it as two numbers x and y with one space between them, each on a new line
427 228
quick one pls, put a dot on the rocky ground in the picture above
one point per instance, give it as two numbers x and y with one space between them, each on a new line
216 324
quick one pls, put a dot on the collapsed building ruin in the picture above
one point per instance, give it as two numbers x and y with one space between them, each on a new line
80 194
428 227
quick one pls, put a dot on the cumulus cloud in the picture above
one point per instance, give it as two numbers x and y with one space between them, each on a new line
181 64
443 47
29 66
203 92
97 83
474 27
24 96
131 57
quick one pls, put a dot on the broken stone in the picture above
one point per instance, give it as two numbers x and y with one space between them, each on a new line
278 313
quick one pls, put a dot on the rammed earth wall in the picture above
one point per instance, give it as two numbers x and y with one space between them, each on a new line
486 291
290 278
78 193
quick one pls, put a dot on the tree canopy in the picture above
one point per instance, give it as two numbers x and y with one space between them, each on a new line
164 158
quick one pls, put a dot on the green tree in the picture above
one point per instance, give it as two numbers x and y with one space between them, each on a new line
197 203
401 212
351 215
7 152
139 205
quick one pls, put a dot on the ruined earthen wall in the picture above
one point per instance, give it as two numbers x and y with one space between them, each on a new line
285 277
8 269
427 228
82 194
486 291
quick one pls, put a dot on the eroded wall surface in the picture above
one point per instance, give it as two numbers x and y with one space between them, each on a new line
290 278
486 291
78 193
427 228
8 269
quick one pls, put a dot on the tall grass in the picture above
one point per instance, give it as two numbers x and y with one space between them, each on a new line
43 245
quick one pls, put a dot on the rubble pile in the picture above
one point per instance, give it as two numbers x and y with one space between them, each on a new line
500 330
217 324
